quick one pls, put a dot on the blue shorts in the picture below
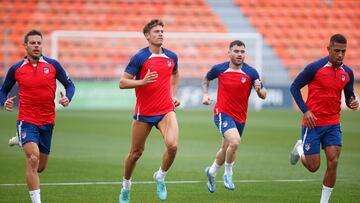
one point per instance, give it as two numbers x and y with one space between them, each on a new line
225 122
41 135
152 120
326 135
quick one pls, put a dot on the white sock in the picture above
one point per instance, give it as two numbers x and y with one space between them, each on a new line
300 150
160 175
126 184
35 196
228 168
214 169
325 194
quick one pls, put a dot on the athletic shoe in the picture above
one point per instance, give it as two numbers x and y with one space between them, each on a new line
228 183
14 141
160 188
211 180
294 155
124 196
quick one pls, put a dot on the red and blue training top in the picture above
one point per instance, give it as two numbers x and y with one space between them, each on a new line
37 86
234 88
153 99
325 84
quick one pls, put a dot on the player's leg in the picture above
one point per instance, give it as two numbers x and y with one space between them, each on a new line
43 162
211 171
296 152
308 149
332 156
311 147
311 162
232 131
227 153
230 143
169 129
139 132
32 155
219 158
29 138
44 145
233 138
223 123
14 141
332 144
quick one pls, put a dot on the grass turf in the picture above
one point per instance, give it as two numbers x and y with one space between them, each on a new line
90 146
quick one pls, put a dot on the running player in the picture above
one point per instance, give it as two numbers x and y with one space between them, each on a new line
36 76
235 81
153 72
326 78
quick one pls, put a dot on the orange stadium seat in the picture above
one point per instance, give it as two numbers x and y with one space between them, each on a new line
299 30
97 15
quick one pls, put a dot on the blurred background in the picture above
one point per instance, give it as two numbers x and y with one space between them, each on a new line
95 39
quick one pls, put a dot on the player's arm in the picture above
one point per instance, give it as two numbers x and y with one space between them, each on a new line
127 81
66 82
260 89
300 81
8 103
130 78
174 82
351 101
205 86
213 73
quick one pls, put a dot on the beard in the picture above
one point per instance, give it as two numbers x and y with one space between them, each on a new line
35 56
337 62
237 62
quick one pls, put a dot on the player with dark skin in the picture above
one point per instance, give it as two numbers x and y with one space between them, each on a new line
321 113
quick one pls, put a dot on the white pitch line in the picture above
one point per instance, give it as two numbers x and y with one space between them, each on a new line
170 182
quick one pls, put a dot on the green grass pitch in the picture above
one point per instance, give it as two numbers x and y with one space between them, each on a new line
90 146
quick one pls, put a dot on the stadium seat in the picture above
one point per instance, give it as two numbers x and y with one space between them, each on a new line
299 30
96 15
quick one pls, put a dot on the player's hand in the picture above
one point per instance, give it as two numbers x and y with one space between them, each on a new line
257 85
175 101
9 103
206 99
150 77
354 103
309 119
64 101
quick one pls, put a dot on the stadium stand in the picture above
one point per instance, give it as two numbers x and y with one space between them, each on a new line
296 30
299 30
96 58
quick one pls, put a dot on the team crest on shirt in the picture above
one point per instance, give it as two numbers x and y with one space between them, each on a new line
225 124
46 70
168 62
243 79
23 135
307 147
343 77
